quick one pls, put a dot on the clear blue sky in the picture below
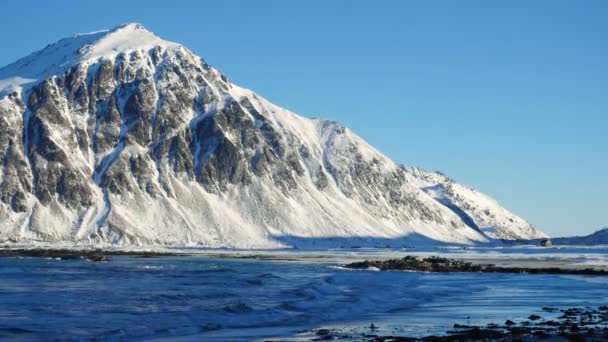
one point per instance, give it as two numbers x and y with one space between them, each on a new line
510 97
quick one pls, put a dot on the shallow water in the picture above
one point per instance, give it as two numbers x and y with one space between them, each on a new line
243 299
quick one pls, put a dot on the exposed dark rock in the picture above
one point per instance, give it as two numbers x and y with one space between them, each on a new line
564 329
97 255
438 264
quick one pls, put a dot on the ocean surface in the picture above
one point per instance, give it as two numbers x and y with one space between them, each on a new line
222 299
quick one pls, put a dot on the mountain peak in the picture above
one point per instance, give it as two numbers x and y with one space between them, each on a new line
123 38
133 26
56 58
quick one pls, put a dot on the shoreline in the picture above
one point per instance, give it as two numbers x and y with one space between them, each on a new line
498 258
571 324
446 265
96 255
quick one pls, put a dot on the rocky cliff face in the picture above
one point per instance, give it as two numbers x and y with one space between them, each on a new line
121 137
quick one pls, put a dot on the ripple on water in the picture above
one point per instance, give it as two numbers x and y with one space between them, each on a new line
244 299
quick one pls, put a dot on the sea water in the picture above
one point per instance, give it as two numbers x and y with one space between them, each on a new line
223 299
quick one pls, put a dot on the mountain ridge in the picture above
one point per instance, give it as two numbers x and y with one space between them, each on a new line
599 237
126 138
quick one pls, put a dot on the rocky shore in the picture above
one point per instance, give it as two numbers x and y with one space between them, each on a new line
96 255
438 264
573 324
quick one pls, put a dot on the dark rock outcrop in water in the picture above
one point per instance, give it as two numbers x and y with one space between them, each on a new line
96 255
437 264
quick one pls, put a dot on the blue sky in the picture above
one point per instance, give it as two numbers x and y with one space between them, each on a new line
510 97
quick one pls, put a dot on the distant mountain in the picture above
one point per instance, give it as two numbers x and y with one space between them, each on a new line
121 137
598 238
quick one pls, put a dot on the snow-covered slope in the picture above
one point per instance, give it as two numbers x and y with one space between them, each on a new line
477 209
121 137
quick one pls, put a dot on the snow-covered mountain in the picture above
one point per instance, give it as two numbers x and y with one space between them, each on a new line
121 137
